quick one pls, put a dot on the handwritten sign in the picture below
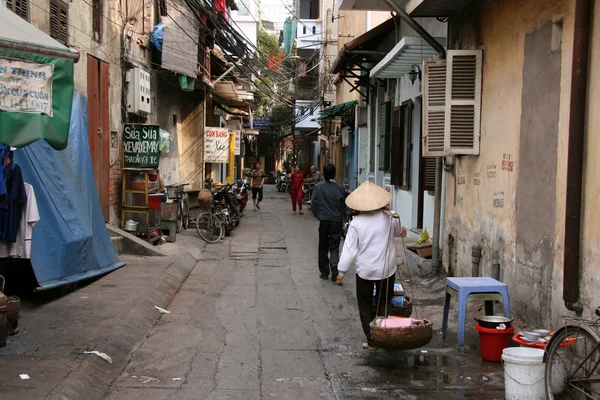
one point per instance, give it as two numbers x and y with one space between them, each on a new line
216 145
238 143
508 162
26 87
141 146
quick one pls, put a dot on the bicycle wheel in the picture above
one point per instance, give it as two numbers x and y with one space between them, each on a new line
209 228
572 370
179 226
186 213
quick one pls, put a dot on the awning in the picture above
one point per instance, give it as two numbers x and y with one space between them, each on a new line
409 51
40 108
338 109
18 34
361 49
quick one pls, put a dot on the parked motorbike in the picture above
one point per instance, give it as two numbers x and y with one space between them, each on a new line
307 190
241 190
225 209
282 182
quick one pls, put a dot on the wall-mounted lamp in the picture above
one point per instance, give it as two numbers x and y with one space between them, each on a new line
415 72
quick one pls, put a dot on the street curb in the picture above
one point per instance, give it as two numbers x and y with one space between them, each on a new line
133 244
93 378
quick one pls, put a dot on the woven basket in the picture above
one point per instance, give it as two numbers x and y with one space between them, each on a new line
405 338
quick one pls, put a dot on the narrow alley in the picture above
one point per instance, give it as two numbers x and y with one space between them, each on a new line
253 321
250 319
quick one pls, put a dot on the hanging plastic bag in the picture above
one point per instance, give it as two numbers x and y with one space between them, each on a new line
165 141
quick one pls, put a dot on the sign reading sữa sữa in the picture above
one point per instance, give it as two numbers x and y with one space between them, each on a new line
26 87
216 145
141 146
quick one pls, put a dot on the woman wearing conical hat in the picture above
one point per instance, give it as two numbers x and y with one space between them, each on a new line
369 246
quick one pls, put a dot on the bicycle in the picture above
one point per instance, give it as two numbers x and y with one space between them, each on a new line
572 360
209 226
177 192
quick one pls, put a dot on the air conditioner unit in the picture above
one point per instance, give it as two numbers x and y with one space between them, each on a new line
138 94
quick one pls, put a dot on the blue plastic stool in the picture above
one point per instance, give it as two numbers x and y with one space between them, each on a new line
486 289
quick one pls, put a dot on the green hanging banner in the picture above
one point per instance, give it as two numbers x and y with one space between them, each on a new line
36 94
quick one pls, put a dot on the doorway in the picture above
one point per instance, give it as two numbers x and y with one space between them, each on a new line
98 128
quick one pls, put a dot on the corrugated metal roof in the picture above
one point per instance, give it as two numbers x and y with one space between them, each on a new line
15 29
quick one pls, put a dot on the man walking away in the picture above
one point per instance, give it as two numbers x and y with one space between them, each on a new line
258 180
327 204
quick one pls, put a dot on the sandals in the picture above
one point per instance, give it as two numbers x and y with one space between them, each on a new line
366 346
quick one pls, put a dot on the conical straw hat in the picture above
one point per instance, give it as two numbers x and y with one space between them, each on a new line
368 197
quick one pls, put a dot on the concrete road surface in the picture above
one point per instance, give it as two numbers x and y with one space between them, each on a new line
254 321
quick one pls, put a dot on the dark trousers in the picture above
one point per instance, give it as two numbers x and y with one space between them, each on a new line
364 296
330 235
257 191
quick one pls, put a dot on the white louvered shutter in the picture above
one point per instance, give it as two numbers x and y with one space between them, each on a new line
463 102
434 107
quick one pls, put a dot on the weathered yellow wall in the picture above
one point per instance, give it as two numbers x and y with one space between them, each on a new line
590 295
471 218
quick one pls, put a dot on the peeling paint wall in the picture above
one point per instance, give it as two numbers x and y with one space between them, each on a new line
182 115
108 49
511 198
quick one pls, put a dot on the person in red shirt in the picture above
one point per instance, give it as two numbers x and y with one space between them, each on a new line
297 178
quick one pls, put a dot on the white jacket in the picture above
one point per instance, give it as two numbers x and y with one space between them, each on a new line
369 247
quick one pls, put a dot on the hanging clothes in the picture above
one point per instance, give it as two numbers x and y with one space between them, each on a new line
21 248
4 159
288 36
12 205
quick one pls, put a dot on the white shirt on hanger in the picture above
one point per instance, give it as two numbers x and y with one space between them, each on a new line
368 243
30 216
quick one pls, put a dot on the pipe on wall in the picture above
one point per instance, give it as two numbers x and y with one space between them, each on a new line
577 117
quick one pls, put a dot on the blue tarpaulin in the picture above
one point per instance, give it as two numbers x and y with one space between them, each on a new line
70 242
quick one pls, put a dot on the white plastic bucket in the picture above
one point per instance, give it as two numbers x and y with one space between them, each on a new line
524 373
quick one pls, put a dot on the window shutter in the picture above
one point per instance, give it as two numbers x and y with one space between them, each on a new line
429 164
406 119
59 20
97 6
434 107
19 7
384 136
396 162
463 102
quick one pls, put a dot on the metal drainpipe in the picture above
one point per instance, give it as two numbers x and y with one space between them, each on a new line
577 114
475 260
418 28
437 215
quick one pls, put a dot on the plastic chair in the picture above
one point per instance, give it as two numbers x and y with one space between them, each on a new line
477 288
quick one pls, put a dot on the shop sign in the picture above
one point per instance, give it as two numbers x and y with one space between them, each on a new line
216 145
26 87
238 143
141 146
